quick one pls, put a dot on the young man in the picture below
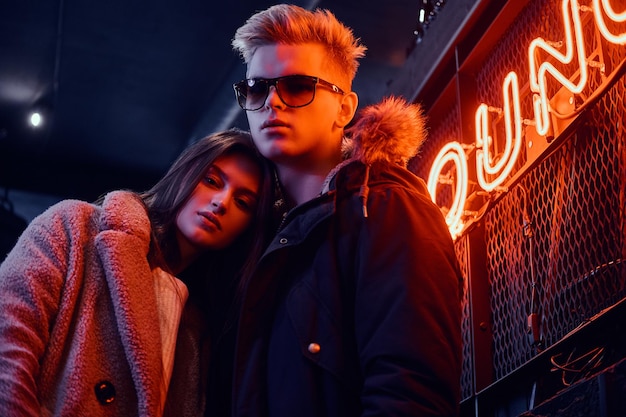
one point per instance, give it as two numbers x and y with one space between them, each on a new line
354 307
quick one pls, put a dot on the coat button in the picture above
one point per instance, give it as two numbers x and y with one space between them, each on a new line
283 240
314 348
105 392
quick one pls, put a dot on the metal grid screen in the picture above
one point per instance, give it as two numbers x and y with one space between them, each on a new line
560 230
556 239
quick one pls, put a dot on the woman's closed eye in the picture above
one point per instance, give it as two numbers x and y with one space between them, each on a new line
246 203
213 180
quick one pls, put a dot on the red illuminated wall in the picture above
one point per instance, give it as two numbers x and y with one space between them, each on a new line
544 252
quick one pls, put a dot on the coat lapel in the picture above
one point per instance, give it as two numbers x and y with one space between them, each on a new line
130 281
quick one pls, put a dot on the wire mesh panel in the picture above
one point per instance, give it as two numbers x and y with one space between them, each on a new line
560 232
467 384
555 241
555 236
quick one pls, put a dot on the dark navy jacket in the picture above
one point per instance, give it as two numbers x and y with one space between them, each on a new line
350 315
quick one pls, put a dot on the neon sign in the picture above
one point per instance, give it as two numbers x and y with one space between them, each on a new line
454 152
494 167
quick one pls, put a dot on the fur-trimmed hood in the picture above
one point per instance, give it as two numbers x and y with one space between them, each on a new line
392 130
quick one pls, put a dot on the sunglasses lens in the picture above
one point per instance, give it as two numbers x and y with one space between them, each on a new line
296 91
251 93
293 90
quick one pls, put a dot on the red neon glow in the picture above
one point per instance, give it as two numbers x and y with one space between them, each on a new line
513 137
498 167
451 152
574 48
615 17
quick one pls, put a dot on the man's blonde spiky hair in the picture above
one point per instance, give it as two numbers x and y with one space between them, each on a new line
293 25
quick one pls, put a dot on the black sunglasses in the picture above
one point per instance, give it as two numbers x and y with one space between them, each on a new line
293 90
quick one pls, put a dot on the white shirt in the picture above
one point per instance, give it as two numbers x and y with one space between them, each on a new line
171 295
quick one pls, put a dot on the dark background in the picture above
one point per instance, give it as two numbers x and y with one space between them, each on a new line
126 85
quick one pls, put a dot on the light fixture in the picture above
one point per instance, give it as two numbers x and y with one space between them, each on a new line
427 12
35 119
39 113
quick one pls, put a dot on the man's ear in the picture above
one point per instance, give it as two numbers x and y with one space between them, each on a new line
349 104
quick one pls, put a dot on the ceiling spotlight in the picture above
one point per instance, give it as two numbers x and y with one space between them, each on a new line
35 119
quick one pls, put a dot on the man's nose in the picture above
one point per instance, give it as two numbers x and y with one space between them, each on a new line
273 99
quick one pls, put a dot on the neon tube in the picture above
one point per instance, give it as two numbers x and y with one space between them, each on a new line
513 137
451 152
616 17
573 43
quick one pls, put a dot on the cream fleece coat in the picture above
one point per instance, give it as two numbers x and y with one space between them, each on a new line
79 333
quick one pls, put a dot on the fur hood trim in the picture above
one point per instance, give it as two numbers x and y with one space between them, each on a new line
392 130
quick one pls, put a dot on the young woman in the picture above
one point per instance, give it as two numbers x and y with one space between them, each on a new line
103 306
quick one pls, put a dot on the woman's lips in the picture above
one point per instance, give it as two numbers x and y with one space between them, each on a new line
212 218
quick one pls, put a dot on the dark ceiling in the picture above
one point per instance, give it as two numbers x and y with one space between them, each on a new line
128 83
